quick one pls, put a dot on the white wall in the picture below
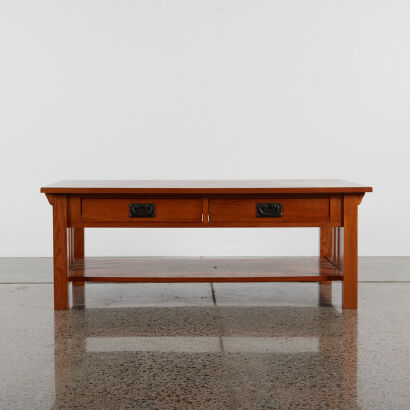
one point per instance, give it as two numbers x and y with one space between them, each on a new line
186 89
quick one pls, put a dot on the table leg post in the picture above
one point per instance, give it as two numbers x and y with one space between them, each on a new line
78 243
78 247
325 243
350 246
60 254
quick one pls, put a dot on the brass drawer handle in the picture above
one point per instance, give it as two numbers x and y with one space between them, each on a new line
269 210
142 210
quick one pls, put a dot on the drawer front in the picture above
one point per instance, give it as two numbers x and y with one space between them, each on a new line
141 210
268 210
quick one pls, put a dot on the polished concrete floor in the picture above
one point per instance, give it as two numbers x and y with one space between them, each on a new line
197 346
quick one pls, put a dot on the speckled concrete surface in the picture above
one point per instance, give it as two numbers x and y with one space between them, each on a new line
193 346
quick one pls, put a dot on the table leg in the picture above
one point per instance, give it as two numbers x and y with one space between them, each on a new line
77 238
350 262
78 234
60 257
326 243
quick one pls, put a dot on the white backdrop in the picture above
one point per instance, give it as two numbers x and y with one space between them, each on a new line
188 89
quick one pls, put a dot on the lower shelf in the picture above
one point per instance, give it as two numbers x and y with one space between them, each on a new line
168 270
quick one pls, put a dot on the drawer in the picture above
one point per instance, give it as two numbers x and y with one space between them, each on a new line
141 210
268 210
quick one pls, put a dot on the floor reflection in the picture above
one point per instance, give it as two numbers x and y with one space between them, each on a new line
207 357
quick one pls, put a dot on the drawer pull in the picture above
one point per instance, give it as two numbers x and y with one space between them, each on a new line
142 210
269 210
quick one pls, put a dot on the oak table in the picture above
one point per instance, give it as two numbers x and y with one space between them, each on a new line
330 205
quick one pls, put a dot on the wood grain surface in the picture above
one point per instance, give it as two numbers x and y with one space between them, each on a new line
60 252
350 250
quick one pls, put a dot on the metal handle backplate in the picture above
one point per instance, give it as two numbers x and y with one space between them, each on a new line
142 210
269 210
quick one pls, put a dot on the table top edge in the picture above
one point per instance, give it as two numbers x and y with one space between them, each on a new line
204 186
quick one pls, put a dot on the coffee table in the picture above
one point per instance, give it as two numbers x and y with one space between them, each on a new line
330 205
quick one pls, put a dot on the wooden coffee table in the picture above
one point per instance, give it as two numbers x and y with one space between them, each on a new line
330 205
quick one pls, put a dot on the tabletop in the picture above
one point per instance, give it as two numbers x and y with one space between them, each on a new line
206 186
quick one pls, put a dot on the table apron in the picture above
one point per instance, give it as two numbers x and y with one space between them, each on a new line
218 211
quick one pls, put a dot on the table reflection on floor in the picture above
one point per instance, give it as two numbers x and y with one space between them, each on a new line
208 357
